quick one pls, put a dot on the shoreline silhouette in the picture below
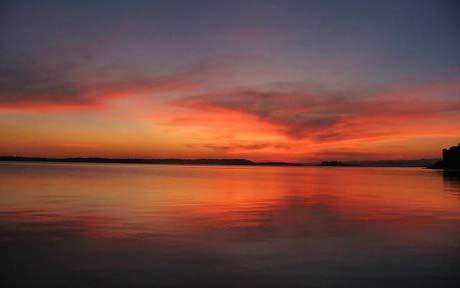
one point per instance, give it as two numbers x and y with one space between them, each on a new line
224 161
450 159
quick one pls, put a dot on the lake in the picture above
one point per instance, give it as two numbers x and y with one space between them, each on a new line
110 225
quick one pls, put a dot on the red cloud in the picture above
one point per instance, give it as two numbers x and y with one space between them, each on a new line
330 116
41 88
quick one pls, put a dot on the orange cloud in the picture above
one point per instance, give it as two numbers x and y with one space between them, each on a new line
203 113
323 116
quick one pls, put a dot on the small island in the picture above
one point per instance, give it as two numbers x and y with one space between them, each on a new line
450 159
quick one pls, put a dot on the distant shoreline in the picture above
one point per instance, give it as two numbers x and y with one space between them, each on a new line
220 161
168 161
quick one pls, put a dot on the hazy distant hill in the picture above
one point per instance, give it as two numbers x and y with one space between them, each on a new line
393 163
132 160
174 161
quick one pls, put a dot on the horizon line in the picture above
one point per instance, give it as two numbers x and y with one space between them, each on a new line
210 161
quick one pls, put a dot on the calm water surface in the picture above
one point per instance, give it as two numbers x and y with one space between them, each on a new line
91 225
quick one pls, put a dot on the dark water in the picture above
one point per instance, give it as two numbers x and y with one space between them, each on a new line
88 225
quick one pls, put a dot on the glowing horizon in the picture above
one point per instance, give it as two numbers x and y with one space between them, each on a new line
265 81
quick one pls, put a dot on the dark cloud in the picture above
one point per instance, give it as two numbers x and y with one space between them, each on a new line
326 116
28 82
70 80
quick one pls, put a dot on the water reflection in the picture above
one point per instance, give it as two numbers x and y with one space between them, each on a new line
176 226
452 181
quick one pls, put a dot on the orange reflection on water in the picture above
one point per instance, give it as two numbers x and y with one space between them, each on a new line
241 226
192 202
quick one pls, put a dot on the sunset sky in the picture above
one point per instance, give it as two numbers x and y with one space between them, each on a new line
263 80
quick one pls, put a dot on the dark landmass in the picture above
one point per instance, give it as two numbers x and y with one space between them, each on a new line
393 163
450 159
283 164
175 161
132 160
382 163
333 163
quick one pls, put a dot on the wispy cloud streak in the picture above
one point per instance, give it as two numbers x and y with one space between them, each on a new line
325 116
60 85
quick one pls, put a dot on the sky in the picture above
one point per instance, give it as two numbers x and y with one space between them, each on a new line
264 80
